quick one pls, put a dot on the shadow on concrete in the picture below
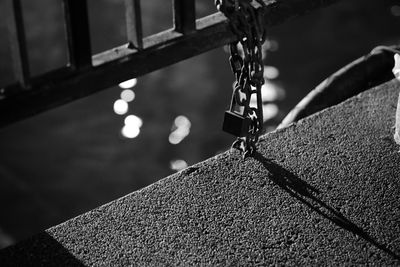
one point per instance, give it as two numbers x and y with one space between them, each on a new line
39 250
308 195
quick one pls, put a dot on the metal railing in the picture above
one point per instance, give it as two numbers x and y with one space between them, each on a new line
86 73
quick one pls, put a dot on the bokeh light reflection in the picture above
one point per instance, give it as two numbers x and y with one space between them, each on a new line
178 164
128 84
120 107
130 131
270 72
127 95
270 111
395 10
180 129
133 120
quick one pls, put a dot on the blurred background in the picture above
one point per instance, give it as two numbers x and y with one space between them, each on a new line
71 159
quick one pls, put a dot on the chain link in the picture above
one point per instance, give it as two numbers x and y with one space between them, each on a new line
246 22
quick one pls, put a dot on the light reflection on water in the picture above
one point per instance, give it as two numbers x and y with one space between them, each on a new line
132 126
127 95
120 107
395 10
178 164
180 129
270 92
270 72
134 121
130 131
270 111
128 84
271 45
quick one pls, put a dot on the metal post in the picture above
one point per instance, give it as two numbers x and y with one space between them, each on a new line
184 16
78 34
15 23
134 24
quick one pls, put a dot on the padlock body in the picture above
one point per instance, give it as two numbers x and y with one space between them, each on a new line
236 124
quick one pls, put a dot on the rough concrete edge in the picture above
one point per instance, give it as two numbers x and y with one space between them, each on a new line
222 154
327 109
159 182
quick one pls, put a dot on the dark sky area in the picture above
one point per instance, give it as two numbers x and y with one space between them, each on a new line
74 158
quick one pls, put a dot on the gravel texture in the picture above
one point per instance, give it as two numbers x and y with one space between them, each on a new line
324 191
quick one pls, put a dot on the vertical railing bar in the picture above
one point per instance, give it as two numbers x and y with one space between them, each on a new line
78 33
19 53
184 16
134 28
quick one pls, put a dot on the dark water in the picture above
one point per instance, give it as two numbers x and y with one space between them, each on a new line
71 159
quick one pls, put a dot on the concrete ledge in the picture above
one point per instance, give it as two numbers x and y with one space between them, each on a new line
324 191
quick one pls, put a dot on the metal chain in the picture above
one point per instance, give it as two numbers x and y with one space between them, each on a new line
246 22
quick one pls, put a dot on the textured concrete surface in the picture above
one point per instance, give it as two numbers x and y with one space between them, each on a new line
324 191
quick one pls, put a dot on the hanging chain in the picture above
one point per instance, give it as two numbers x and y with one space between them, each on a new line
246 22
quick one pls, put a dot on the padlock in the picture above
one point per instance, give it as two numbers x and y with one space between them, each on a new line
236 124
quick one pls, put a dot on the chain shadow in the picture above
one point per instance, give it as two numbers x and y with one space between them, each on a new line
307 194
